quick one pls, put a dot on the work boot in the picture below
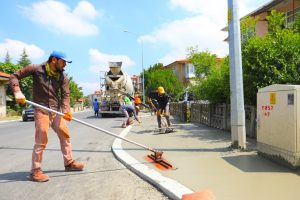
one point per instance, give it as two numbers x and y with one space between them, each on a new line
37 175
74 166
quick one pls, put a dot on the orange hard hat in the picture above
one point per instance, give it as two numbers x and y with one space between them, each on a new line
137 100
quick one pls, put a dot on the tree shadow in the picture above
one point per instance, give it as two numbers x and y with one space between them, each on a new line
255 163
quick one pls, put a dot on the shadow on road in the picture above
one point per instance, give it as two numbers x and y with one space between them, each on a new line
13 177
74 150
79 173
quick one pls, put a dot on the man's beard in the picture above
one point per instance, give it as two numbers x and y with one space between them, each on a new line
57 68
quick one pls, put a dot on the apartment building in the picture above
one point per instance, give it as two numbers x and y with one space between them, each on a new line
184 70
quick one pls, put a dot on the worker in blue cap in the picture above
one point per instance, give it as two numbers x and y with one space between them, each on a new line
50 89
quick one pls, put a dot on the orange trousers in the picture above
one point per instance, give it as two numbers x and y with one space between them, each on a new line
43 121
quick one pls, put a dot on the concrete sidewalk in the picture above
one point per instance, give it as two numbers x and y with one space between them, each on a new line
205 162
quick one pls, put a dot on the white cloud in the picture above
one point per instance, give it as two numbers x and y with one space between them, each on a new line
57 16
99 61
216 12
15 49
203 29
89 87
214 9
85 9
181 34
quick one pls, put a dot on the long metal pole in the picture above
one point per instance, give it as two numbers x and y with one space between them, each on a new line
238 132
92 126
143 71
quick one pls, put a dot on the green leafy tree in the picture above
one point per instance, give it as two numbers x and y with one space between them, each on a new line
75 91
155 76
215 86
10 68
297 23
275 21
273 59
203 61
212 76
248 27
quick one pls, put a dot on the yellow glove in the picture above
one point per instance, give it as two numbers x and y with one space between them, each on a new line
20 98
68 116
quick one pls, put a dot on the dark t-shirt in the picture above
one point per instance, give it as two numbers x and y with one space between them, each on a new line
160 101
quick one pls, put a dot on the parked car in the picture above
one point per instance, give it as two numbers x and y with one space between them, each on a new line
28 114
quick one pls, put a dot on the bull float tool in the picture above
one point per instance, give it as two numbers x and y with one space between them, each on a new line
156 156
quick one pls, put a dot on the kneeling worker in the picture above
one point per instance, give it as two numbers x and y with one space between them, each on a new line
129 111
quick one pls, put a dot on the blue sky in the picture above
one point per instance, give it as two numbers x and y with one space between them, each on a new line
92 32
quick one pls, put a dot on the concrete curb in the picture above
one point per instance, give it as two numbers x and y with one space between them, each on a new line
169 187
13 120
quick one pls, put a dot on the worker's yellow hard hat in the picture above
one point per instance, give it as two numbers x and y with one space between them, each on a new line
161 90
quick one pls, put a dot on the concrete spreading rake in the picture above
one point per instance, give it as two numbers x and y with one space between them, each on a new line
156 156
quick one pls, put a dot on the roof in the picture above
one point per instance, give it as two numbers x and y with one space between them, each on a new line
265 7
134 77
182 61
219 59
5 75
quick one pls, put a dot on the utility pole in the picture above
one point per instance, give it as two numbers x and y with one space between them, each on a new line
102 82
238 132
143 70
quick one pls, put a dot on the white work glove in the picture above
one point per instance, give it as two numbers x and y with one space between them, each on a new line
20 98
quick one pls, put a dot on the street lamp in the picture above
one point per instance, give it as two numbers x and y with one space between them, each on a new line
143 71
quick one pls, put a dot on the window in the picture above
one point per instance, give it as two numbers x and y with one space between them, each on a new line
175 72
189 70
290 17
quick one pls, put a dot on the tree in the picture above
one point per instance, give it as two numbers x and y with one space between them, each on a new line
24 60
75 91
275 21
248 26
297 23
202 61
28 81
273 59
156 76
215 86
9 68
7 58
212 76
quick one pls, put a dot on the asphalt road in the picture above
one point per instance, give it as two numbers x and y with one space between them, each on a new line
103 178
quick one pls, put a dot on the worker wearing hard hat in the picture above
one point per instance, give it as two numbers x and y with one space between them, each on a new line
137 102
129 111
163 100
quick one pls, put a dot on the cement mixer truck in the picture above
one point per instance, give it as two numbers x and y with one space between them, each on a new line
117 83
